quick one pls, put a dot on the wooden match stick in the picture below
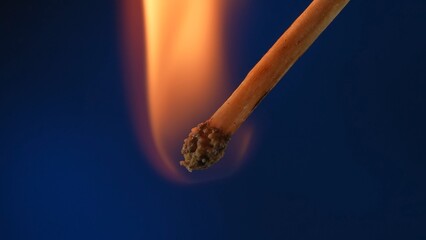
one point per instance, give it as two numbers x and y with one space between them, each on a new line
207 142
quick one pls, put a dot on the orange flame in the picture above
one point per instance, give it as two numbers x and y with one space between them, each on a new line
184 66
185 73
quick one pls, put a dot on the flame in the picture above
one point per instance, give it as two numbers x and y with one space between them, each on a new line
183 66
185 75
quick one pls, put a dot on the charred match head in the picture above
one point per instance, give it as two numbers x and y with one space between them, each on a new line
204 146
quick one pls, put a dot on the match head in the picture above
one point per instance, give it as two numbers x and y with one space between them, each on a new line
204 146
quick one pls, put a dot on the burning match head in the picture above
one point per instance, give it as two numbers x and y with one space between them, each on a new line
204 146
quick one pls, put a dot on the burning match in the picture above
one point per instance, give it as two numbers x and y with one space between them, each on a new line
207 142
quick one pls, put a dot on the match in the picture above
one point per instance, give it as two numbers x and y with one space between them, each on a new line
207 142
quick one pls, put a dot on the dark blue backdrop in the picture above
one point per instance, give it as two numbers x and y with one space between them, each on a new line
350 119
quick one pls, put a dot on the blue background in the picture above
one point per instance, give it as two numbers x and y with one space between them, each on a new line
341 145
